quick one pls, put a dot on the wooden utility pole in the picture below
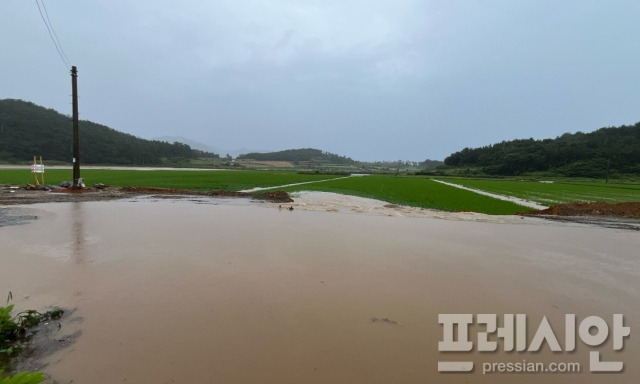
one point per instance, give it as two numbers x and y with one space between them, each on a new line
76 147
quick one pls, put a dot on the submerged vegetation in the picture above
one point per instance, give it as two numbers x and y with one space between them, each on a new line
15 334
23 378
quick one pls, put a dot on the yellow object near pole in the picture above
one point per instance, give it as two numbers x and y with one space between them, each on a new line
35 175
35 169
42 166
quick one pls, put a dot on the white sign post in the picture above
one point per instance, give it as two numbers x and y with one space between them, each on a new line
37 169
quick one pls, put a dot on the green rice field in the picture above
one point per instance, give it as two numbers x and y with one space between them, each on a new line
553 192
414 191
201 180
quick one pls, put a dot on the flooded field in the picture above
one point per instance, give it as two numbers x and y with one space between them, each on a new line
200 291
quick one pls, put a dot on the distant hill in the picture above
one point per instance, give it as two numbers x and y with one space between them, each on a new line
299 155
239 151
207 148
602 153
29 129
192 143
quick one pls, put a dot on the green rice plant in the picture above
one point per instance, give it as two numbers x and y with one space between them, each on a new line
13 329
552 192
231 180
413 191
23 378
8 327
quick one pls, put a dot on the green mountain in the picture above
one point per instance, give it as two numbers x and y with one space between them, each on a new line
300 155
28 129
601 154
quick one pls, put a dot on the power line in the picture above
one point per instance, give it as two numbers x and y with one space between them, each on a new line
54 33
58 48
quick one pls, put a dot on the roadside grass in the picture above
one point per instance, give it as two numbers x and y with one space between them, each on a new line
413 191
201 180
556 192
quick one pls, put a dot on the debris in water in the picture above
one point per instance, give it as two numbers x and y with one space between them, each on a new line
384 320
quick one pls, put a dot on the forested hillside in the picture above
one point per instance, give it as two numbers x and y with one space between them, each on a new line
602 153
297 155
28 129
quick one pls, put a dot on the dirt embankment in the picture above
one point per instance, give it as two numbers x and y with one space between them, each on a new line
12 195
618 216
581 208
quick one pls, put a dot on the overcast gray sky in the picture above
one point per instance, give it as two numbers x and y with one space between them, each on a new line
373 80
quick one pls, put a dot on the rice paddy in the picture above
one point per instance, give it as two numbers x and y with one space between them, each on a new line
552 192
413 191
190 179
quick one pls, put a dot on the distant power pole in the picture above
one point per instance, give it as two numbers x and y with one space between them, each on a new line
76 147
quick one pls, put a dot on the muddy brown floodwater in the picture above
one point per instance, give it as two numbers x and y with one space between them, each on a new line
179 291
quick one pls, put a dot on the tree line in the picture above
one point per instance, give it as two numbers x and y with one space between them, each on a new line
602 153
299 155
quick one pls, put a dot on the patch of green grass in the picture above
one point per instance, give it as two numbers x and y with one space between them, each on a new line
14 334
23 378
413 191
202 180
556 192
13 330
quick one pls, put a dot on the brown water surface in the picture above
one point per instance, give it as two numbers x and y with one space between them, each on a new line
179 292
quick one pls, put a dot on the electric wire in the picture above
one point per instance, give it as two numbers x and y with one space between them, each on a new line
51 36
49 29
46 13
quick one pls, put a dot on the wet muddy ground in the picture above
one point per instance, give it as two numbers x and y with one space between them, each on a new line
617 216
19 195
211 290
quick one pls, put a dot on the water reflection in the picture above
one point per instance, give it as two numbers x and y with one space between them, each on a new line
14 216
78 251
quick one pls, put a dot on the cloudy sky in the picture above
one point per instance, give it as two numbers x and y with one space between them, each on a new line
373 80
